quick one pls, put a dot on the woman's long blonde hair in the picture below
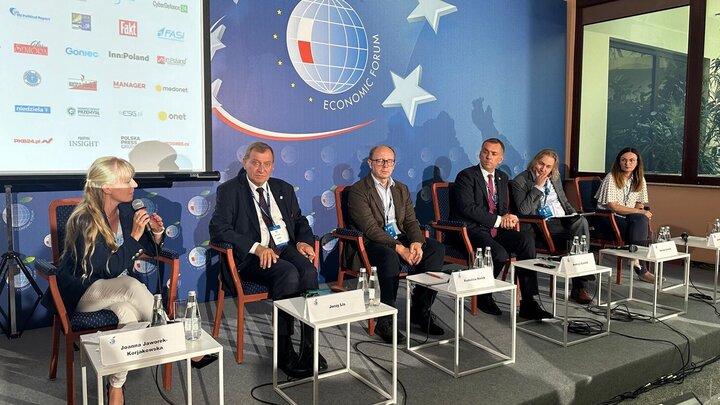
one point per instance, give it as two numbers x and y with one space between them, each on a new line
87 220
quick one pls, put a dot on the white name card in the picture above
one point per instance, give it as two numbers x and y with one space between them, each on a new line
324 307
713 240
123 347
471 279
661 250
577 263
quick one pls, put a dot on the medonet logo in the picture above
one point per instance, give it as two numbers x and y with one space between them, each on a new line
130 56
19 14
171 35
92 112
32 78
160 88
128 85
82 84
128 28
131 113
83 142
33 48
167 60
37 109
32 140
81 52
183 8
163 116
81 22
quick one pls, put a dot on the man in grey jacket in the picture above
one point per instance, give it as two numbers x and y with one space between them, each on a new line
538 191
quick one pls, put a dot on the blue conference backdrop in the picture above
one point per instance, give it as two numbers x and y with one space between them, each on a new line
324 81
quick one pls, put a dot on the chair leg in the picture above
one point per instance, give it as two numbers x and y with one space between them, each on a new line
218 312
167 376
618 278
473 305
240 356
55 347
371 327
69 370
340 280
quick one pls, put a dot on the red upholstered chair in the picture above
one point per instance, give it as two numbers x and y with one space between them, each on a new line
80 323
246 291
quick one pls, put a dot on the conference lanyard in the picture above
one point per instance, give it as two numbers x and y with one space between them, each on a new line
547 193
628 192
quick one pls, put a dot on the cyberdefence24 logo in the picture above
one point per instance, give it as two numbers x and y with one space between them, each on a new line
331 51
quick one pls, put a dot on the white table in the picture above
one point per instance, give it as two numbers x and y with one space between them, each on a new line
700 242
658 264
442 289
295 307
90 353
598 271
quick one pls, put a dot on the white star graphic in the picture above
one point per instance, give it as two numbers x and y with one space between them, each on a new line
214 90
216 35
408 94
431 10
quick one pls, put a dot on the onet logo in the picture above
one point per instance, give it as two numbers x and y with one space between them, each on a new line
164 116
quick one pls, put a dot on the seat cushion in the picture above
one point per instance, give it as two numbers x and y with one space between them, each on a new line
93 320
253 288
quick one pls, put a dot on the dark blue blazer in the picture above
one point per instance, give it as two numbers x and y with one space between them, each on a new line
469 199
235 219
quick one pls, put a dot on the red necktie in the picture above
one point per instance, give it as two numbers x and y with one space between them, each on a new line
265 214
491 201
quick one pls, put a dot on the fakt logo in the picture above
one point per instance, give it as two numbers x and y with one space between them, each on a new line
128 28
171 35
81 22
33 48
81 52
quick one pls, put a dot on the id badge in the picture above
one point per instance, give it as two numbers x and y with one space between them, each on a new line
278 236
545 212
392 229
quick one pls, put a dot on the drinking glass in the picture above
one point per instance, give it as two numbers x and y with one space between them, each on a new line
180 307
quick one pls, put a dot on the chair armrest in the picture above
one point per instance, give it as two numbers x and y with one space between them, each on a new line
531 219
169 254
221 247
347 234
44 268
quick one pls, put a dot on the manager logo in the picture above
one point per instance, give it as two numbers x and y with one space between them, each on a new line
170 89
168 60
82 84
171 35
131 113
128 85
81 52
17 13
33 48
183 8
128 28
128 56
35 109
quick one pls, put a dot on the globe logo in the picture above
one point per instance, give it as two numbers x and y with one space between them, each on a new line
197 256
327 45
172 231
144 267
198 206
21 216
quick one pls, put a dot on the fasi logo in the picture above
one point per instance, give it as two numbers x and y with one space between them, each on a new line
171 35
128 28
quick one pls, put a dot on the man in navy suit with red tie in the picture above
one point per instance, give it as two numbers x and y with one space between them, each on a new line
480 198
272 242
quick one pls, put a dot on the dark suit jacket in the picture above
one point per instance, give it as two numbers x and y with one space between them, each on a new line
105 263
528 199
469 199
235 219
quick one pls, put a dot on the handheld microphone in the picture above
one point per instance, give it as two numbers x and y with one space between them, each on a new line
684 236
138 205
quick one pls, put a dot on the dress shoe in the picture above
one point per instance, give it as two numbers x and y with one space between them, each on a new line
288 360
383 329
305 360
647 277
427 324
530 309
486 303
204 361
581 296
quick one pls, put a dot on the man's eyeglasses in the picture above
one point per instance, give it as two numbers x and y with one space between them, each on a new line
383 162
256 164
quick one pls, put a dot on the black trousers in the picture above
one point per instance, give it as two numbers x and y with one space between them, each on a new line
292 275
563 230
388 264
509 242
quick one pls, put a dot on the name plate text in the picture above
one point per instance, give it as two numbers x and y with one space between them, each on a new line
471 279
577 263
661 250
324 307
123 347
713 240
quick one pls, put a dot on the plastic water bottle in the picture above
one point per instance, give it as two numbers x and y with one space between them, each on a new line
363 285
479 259
716 228
159 317
192 318
488 261
374 288
575 248
584 247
